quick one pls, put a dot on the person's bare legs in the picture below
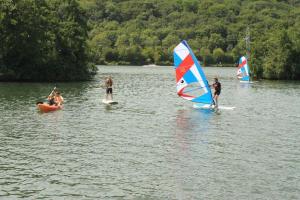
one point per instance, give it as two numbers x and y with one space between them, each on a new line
216 100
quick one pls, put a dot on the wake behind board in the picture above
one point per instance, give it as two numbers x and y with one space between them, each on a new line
109 102
211 107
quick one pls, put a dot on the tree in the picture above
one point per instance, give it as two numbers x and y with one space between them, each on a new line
206 56
155 27
218 55
43 40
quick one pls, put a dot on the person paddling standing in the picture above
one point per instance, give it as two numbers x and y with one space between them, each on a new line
108 85
217 86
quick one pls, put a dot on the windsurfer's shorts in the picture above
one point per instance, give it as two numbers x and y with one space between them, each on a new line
108 90
217 93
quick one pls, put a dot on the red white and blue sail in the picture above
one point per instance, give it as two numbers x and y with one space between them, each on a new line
243 72
191 81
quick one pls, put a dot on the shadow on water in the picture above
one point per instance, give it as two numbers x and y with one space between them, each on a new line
111 107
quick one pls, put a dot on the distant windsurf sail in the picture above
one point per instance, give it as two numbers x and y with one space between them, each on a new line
191 81
243 72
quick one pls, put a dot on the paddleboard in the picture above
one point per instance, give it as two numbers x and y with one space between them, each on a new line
250 82
109 102
212 107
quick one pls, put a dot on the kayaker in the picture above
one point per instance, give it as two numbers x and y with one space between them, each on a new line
58 99
108 85
51 99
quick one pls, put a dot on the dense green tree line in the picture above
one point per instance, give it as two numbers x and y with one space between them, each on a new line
57 39
43 40
146 31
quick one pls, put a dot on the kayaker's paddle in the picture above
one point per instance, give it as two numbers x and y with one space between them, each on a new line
52 91
41 102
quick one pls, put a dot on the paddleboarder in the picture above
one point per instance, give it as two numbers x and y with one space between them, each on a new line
108 85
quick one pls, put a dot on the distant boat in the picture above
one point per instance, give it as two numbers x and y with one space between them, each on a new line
191 84
243 71
150 65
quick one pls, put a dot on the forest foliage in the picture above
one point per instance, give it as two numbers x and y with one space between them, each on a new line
60 39
43 41
138 32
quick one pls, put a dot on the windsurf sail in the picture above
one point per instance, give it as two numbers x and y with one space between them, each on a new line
243 72
191 84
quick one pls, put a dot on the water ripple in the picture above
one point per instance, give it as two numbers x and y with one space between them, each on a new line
152 145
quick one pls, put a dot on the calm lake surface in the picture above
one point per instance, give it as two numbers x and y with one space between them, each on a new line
153 144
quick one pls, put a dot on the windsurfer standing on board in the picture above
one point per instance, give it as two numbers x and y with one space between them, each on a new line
108 85
217 86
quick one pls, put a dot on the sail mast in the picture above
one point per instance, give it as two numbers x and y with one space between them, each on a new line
247 40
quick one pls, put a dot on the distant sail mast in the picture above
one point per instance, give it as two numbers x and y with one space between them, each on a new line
243 72
247 40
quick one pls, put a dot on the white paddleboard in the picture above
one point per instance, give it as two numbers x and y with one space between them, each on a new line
226 107
109 102
212 107
249 82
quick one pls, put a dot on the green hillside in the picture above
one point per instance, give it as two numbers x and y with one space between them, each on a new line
145 31
48 40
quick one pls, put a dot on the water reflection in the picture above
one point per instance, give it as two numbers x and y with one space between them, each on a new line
245 85
192 128
193 120
109 108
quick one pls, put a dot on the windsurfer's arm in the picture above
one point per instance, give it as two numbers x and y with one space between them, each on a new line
208 84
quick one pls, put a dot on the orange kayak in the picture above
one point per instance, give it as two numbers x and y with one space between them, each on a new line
44 107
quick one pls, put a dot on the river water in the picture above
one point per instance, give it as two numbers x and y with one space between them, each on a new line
153 144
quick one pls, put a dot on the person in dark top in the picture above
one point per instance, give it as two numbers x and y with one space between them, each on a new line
51 98
108 85
217 86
